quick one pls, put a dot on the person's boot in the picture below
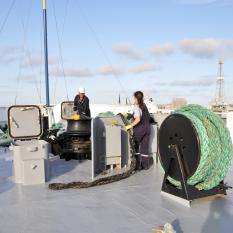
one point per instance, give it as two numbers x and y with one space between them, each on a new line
138 162
147 162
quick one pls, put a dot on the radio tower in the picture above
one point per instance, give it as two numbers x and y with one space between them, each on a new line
220 99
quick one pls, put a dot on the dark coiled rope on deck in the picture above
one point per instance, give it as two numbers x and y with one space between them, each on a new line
104 180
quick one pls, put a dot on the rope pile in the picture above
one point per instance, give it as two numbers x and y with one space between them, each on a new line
216 147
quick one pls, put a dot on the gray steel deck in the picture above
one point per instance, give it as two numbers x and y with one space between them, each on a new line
134 205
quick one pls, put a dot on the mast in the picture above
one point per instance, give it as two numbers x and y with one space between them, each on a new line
46 53
220 100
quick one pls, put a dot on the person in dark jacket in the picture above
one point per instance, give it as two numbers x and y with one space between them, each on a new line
81 103
141 131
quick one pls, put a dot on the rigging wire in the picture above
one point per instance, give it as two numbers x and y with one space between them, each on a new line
28 53
23 54
7 16
101 47
61 60
19 72
2 28
65 18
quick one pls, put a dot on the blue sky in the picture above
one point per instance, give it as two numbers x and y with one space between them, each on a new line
166 48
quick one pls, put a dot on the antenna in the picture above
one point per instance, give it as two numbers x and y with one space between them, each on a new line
46 53
220 99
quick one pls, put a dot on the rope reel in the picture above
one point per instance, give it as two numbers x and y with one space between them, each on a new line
204 144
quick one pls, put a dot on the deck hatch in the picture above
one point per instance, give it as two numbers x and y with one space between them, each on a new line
25 121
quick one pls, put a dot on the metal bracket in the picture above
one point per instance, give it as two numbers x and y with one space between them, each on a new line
186 191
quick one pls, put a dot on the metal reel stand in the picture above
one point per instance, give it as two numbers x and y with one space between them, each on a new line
179 150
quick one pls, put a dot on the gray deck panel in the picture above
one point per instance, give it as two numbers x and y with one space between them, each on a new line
133 205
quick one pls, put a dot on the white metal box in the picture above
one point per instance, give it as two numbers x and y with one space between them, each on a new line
31 155
31 162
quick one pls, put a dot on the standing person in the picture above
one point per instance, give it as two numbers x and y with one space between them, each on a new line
141 131
81 103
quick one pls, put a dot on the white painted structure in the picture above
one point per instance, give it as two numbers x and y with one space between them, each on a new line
229 122
96 109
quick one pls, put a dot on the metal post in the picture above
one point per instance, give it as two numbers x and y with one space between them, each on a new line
119 99
46 53
220 99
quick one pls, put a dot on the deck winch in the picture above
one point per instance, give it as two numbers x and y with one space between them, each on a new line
195 150
75 142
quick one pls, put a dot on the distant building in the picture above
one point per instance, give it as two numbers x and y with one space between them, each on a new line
176 103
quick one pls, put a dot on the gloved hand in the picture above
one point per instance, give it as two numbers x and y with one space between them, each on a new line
75 117
128 116
128 127
115 122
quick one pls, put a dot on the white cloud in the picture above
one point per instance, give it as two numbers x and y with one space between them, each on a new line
70 72
4 86
159 50
128 51
9 54
207 48
199 48
30 78
109 70
27 77
142 68
35 60
160 83
199 82
203 48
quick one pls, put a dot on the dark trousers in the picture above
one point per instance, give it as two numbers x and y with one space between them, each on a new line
144 161
142 143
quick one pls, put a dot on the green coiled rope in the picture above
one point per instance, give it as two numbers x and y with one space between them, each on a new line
215 145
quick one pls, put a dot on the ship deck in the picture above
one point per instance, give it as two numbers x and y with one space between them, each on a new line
133 205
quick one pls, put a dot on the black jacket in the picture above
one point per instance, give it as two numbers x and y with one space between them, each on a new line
82 107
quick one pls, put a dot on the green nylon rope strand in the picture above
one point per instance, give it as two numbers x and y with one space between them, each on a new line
215 147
